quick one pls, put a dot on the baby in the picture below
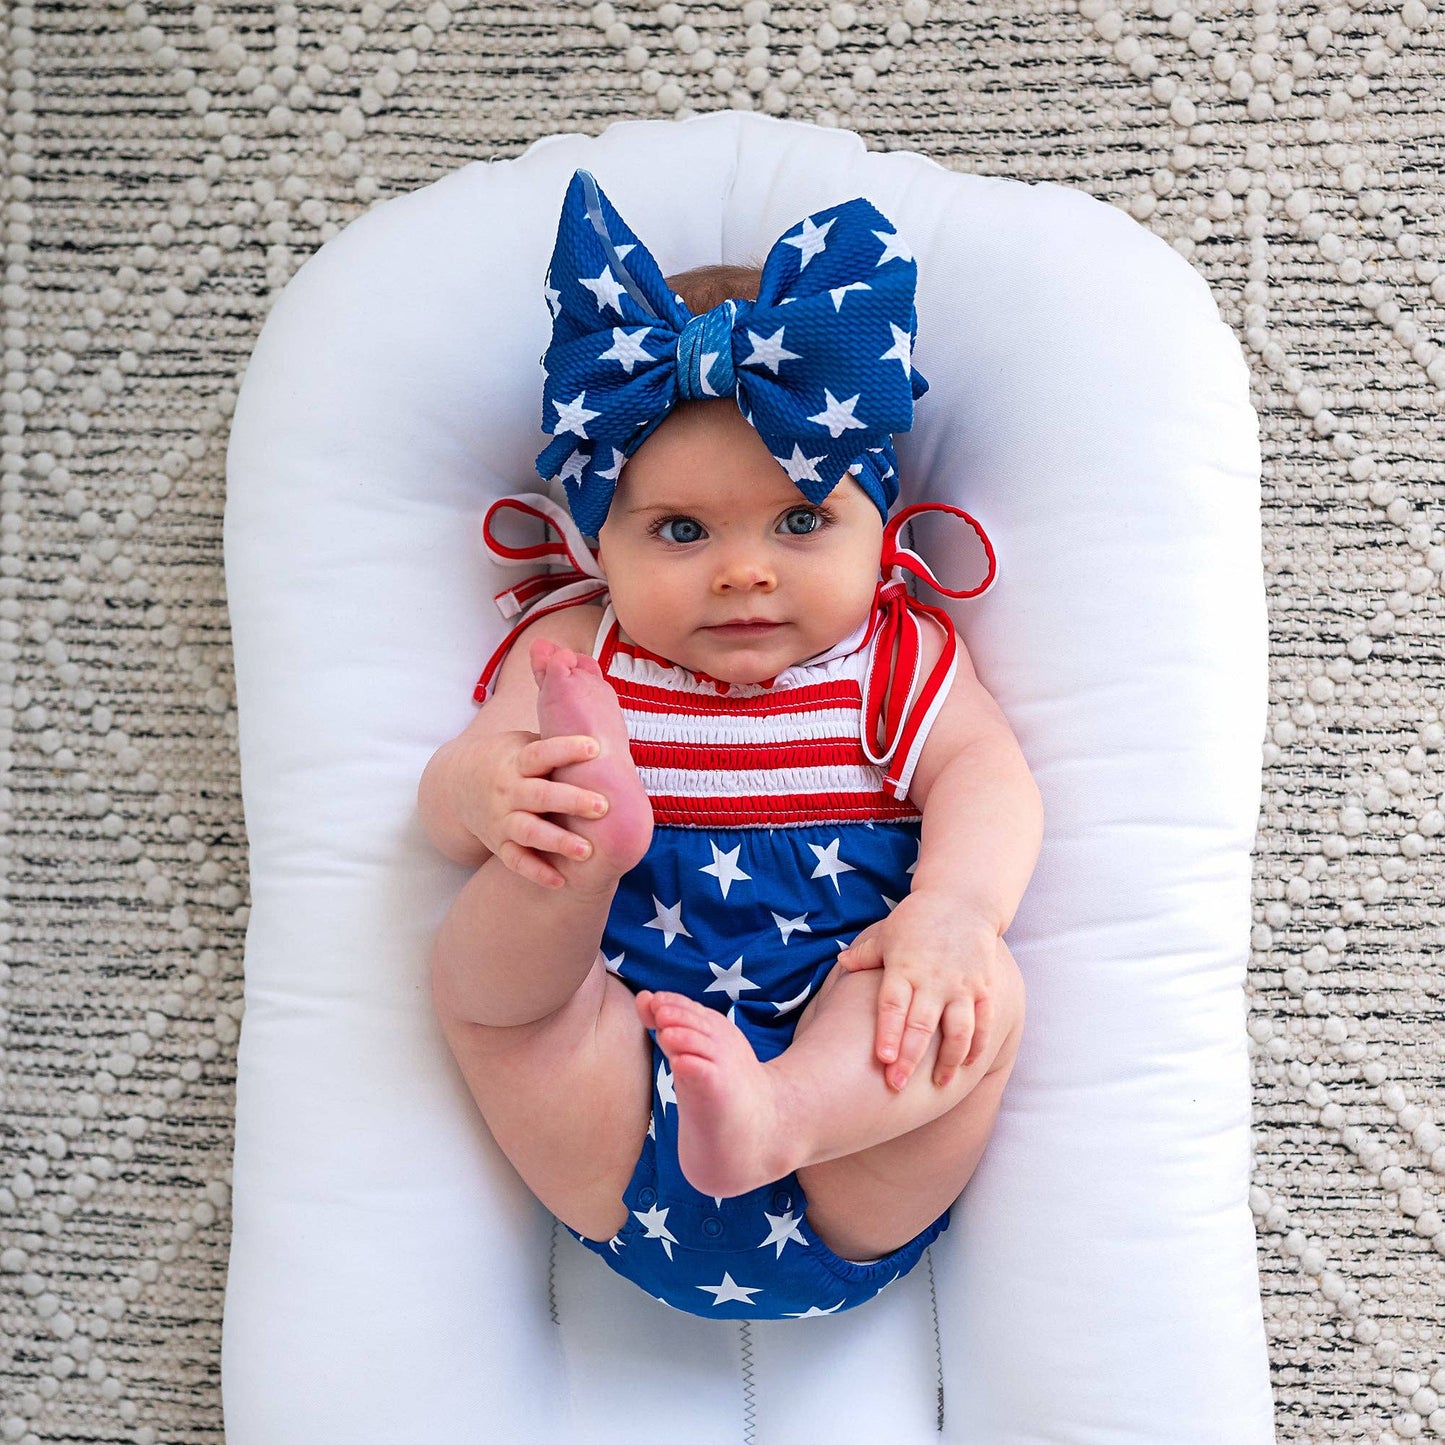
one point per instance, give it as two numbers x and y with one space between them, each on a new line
747 830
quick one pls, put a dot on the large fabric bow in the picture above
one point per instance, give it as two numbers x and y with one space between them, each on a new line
821 363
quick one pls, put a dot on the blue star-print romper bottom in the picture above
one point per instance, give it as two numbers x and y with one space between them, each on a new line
774 845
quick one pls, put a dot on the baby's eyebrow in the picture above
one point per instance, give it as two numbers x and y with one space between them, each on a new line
660 507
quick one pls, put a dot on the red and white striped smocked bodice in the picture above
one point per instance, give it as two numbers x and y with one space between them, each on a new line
747 755
837 736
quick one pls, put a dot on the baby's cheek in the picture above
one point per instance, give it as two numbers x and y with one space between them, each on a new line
855 595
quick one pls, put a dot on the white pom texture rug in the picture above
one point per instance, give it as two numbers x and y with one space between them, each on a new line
166 169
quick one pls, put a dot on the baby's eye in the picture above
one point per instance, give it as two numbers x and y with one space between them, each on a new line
689 529
802 520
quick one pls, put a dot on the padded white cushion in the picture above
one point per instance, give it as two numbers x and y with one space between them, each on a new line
389 1271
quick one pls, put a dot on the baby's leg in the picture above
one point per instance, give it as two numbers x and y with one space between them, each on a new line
549 1042
869 1202
877 1158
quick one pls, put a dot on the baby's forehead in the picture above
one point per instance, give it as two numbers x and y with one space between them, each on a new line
734 494
738 493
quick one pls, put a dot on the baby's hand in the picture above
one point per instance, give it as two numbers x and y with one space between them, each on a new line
940 962
504 793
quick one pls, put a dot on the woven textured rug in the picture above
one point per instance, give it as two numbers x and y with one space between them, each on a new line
167 168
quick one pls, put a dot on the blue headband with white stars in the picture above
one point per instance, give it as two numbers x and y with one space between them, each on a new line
821 363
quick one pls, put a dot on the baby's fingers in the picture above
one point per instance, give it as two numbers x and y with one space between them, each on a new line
529 831
918 1033
895 993
539 758
541 795
529 865
961 1026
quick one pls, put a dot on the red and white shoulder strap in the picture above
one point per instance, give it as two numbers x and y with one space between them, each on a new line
899 704
542 591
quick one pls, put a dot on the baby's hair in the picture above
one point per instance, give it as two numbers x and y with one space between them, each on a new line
703 287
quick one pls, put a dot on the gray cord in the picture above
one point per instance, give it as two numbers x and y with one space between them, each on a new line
552 1273
937 1337
750 1419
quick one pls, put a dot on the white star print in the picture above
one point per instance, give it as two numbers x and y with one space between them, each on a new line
708 357
839 292
811 240
798 467
769 351
669 920
666 1094
614 965
654 1221
728 980
554 297
574 466
611 473
838 416
606 288
916 857
815 1311
729 1289
901 350
724 867
786 1229
793 1003
891 902
573 416
627 349
893 245
829 864
789 926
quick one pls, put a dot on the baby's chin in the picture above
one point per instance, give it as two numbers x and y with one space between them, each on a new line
752 664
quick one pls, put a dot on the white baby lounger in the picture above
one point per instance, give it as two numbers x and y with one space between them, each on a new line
391 1277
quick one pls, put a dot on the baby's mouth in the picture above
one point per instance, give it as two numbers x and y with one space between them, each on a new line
744 627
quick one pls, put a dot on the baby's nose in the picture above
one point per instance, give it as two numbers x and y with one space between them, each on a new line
744 572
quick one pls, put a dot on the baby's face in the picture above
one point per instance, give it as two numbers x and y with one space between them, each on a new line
706 529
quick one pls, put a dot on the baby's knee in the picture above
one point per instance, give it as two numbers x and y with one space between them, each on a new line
1015 991
1009 1005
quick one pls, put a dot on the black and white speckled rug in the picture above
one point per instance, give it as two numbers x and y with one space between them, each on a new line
167 168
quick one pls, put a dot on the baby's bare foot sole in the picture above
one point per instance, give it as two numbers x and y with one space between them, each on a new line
730 1137
574 698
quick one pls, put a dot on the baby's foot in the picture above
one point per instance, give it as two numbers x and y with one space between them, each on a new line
573 698
729 1138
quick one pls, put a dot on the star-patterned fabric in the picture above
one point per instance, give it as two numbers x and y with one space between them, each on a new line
821 363
775 843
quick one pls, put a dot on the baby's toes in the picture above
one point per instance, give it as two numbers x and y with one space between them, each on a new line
677 1009
680 1042
646 1004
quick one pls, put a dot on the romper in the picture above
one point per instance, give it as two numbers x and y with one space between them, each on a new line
779 834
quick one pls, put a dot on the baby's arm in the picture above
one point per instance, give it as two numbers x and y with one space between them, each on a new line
982 831
487 790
